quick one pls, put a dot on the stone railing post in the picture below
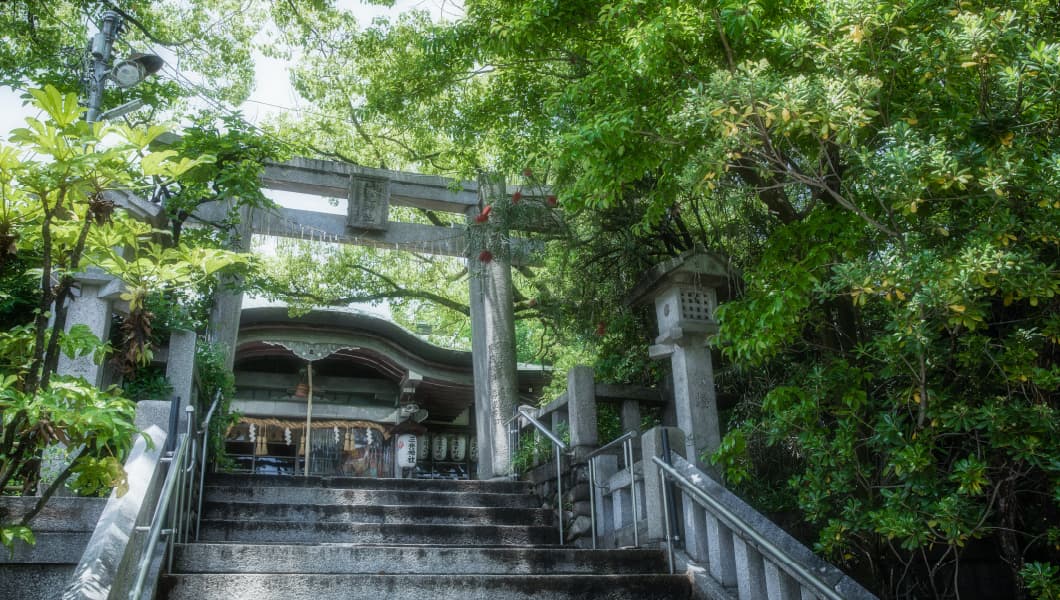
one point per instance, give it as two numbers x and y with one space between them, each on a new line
630 415
581 412
606 466
651 446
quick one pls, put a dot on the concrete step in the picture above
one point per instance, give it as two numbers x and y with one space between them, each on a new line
310 495
499 486
436 587
287 532
374 513
423 560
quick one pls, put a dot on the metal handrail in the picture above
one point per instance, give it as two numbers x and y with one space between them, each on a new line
205 431
629 435
626 440
741 528
174 477
545 430
560 448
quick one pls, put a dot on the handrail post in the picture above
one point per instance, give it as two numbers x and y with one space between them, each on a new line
560 448
559 494
205 452
627 447
592 497
671 503
666 518
626 441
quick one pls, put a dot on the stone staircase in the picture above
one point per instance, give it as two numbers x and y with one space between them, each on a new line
295 538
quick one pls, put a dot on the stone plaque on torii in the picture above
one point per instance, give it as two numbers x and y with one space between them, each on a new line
370 193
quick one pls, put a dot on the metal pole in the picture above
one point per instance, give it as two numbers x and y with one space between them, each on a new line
190 469
512 443
666 517
202 477
628 447
308 417
592 496
671 503
172 517
101 46
202 469
559 494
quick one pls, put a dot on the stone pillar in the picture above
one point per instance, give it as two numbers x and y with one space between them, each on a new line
228 301
500 341
224 318
695 402
180 370
495 364
581 411
91 307
480 367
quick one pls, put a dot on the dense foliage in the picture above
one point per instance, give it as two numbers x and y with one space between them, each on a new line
884 173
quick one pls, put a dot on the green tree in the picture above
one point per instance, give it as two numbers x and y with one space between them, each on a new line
54 180
884 173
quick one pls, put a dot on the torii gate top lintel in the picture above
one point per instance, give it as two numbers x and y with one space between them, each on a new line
369 193
334 179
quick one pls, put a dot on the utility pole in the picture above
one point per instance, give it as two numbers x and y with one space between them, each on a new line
102 44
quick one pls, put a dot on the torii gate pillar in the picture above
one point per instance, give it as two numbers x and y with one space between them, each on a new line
493 335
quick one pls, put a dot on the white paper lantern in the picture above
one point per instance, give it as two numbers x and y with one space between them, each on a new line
457 447
406 450
423 448
439 446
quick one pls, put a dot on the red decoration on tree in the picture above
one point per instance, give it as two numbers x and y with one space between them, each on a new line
485 256
484 215
528 173
601 328
551 200
516 197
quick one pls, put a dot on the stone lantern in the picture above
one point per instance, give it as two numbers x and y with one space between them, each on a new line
685 291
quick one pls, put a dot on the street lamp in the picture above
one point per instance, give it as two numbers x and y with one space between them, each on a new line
135 69
126 73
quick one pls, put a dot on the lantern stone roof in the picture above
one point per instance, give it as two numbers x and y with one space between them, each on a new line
696 266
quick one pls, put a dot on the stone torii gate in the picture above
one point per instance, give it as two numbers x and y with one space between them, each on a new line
370 193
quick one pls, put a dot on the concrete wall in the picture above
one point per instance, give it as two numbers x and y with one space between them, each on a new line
63 529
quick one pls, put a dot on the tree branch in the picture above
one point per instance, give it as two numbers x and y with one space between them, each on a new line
397 293
143 28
